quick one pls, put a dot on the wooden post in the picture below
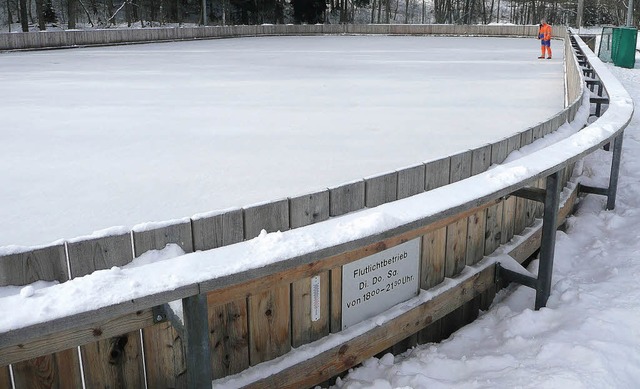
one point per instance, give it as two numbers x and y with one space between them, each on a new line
196 326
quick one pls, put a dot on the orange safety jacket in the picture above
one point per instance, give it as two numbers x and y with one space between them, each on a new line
544 32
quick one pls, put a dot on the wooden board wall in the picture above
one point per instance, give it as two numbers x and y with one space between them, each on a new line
59 370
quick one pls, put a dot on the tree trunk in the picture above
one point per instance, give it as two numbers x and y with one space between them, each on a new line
40 14
406 11
71 12
373 10
9 17
24 18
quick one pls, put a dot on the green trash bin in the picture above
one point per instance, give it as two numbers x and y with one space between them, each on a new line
623 46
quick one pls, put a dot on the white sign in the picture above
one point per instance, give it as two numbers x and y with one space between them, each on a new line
376 283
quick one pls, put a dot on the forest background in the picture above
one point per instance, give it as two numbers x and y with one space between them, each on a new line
40 15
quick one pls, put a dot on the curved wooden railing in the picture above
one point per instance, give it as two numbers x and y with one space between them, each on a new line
265 313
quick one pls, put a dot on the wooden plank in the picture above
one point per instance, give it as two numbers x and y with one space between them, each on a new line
457 232
335 276
5 377
46 264
340 358
164 348
164 354
493 228
218 230
456 248
434 245
437 173
309 209
272 217
229 338
476 227
380 189
117 361
59 370
114 363
87 256
68 338
157 238
411 181
305 328
509 207
460 166
346 198
480 159
269 324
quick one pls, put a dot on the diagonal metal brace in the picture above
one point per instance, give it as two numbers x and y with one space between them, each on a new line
513 276
535 194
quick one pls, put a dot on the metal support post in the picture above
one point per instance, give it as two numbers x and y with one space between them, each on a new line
615 171
196 323
548 240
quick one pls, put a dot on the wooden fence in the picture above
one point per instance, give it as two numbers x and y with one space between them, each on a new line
258 315
75 38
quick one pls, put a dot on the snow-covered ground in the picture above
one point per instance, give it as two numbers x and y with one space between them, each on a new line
588 336
115 136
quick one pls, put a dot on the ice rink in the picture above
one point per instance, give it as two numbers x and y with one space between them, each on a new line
115 136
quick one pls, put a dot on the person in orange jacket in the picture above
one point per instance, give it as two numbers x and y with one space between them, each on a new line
544 34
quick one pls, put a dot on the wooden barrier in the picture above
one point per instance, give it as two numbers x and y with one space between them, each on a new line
259 315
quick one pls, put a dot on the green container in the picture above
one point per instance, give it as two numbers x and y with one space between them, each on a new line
623 46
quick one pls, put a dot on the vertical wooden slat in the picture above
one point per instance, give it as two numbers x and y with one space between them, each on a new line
5 377
115 362
272 217
411 181
457 231
434 245
456 247
336 299
228 333
493 230
229 338
46 264
476 227
269 324
437 173
509 208
346 198
460 166
59 370
523 206
164 355
309 208
381 189
305 210
164 348
87 256
218 230
304 329
157 238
